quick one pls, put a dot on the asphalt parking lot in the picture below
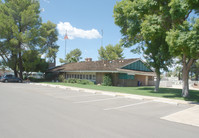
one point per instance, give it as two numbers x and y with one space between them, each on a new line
40 111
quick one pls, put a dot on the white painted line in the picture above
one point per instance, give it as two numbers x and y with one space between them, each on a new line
110 94
166 101
82 96
99 100
134 97
129 105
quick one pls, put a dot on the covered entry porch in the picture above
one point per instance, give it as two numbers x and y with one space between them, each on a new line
135 78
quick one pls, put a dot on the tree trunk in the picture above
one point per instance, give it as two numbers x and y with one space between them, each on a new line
185 83
15 71
196 75
20 63
20 66
3 58
179 76
185 75
157 83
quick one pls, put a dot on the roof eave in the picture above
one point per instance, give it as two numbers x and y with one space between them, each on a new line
134 72
82 71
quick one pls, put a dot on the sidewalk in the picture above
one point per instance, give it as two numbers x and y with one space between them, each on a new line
189 116
180 87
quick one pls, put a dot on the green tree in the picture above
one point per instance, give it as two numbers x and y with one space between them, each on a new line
8 50
183 38
178 72
73 56
49 36
32 62
110 52
19 27
107 80
145 23
195 69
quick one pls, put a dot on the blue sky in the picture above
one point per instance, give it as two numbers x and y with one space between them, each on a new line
83 21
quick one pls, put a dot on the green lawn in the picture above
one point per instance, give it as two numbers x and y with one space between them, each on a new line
147 91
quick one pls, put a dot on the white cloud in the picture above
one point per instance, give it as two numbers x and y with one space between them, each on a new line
74 32
47 1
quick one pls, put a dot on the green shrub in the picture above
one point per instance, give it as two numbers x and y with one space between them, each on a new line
61 78
25 77
71 80
50 76
85 82
36 80
107 80
79 81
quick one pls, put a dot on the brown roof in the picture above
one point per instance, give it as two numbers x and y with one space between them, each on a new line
103 65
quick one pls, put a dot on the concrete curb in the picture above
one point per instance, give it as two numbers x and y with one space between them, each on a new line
131 96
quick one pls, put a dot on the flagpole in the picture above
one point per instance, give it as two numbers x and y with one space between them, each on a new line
65 48
66 37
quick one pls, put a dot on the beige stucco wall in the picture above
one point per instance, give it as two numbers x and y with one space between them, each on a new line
115 79
99 78
141 78
127 83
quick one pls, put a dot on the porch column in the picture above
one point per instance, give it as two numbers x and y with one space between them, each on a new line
146 80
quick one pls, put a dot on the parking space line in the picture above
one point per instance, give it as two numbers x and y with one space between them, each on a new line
129 105
98 100
83 96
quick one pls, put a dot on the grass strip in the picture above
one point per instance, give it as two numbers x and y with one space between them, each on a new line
144 90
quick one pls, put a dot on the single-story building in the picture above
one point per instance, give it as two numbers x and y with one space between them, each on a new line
124 72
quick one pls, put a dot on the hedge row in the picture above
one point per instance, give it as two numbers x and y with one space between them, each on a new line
36 80
79 81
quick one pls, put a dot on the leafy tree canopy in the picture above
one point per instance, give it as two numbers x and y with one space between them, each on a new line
145 23
22 29
111 52
32 62
49 36
19 25
73 56
183 38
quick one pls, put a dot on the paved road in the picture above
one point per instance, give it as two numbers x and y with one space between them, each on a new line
30 111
